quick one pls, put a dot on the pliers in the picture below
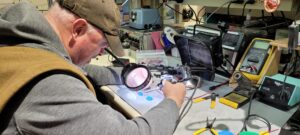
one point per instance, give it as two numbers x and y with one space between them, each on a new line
209 126
213 97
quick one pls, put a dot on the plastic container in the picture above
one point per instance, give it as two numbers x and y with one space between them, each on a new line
151 57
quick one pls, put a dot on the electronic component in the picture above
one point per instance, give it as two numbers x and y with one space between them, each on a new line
241 94
136 39
144 18
256 56
272 91
198 53
232 44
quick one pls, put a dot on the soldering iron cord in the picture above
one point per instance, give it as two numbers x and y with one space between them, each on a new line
189 103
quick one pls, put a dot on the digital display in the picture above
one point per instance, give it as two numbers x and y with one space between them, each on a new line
196 53
261 45
193 52
230 39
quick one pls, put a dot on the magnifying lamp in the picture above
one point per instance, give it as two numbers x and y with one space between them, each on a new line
134 76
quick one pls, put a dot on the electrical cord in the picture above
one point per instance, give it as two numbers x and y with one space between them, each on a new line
254 115
219 85
243 11
177 11
244 6
217 10
199 14
228 7
284 94
229 62
197 19
295 62
189 103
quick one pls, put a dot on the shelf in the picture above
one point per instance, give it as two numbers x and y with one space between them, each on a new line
282 43
285 5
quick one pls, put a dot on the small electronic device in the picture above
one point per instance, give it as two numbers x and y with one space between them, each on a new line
137 39
241 94
253 62
279 93
197 52
144 18
232 43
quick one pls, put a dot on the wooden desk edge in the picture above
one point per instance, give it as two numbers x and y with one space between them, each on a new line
121 104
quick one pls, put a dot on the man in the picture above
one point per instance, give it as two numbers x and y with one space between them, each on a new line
42 92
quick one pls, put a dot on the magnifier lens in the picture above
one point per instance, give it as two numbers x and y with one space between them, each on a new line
136 77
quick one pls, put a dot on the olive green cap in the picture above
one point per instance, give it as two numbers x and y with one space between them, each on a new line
103 14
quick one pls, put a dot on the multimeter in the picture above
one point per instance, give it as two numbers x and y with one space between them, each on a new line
255 58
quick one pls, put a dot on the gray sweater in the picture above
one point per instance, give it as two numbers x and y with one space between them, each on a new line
61 104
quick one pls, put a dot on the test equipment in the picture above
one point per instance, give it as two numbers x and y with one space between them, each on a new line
253 63
197 53
280 92
241 94
144 18
136 39
232 44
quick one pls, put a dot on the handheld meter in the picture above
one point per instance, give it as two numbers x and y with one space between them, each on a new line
255 58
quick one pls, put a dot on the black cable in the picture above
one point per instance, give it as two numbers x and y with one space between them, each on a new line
199 14
116 58
229 62
250 103
262 15
189 103
243 11
217 10
219 85
283 16
294 65
264 21
177 11
254 115
283 95
228 7
182 114
197 19
262 119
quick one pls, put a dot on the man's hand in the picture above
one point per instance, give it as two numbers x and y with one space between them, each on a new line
175 92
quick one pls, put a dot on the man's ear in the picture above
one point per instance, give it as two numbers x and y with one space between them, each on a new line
80 27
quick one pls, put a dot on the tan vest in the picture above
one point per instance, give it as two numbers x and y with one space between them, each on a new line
19 65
